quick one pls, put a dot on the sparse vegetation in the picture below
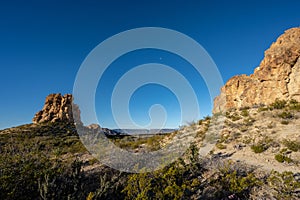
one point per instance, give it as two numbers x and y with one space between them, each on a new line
294 105
292 145
41 162
262 145
285 122
173 182
259 148
233 116
220 146
278 104
282 158
286 115
245 113
284 184
232 179
262 109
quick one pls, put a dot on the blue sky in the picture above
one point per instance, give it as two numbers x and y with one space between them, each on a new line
43 43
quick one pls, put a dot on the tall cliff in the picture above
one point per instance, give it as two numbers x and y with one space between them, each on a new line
57 108
277 76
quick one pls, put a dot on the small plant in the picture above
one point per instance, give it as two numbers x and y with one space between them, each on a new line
234 116
284 183
262 109
244 108
262 145
258 148
294 105
200 122
238 182
282 158
245 113
220 146
286 115
292 145
207 118
284 122
247 140
278 104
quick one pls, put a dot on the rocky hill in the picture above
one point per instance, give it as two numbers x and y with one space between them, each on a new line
277 76
57 108
245 152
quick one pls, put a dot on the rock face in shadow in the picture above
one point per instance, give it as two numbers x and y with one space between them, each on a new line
277 77
58 108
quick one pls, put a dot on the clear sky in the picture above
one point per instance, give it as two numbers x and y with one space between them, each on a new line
43 43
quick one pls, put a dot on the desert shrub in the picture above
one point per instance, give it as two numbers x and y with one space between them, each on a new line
245 113
278 104
294 105
233 116
262 145
230 181
31 166
129 142
172 182
284 184
262 109
112 183
244 108
285 122
292 145
282 158
258 148
207 118
286 115
200 122
220 146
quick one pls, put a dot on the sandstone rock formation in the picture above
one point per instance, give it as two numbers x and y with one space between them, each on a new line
58 108
277 76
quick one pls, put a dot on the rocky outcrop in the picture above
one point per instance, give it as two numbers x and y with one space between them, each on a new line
58 108
277 77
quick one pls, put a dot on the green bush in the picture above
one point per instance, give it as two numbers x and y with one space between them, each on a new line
284 185
258 148
294 105
282 158
220 146
284 122
233 116
278 104
245 113
262 109
286 115
238 181
172 182
292 145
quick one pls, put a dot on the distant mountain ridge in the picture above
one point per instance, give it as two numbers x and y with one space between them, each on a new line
144 131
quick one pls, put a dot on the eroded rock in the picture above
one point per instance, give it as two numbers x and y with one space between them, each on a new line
277 76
